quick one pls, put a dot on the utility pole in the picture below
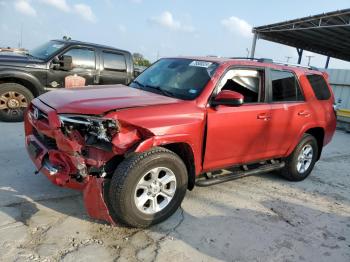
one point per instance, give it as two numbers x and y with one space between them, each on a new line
20 36
248 51
309 59
288 57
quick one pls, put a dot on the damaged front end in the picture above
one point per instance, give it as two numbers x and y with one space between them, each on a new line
78 151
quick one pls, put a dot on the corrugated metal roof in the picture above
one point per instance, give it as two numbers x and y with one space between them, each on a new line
326 34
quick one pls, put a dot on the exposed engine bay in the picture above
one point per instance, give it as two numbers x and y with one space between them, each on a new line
92 128
99 140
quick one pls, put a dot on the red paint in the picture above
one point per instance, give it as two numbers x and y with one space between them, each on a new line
97 100
94 202
229 95
232 135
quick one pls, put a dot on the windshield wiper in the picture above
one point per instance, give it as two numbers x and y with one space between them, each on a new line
30 55
138 83
161 90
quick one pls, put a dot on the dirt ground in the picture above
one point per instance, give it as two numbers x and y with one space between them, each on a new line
261 218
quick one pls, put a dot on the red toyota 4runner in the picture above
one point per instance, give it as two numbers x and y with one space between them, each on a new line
135 150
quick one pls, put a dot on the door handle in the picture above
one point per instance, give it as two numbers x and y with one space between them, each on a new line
263 116
97 77
304 113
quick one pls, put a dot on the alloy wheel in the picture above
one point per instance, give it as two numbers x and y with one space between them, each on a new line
305 158
155 190
13 103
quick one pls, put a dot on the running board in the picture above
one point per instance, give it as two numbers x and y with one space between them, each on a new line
203 182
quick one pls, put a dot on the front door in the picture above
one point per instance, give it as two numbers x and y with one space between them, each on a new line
237 135
83 65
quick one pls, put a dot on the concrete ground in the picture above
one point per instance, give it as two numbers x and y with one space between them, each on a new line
261 218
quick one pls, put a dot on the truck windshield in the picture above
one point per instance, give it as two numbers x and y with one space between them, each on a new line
46 50
177 77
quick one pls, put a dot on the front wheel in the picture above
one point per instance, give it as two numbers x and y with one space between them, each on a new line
14 99
302 160
147 188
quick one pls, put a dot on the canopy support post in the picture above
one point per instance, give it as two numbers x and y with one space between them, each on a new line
300 55
327 62
255 38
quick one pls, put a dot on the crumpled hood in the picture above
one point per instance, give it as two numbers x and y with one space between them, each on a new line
96 100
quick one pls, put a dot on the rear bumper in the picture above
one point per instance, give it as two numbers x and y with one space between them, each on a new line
43 141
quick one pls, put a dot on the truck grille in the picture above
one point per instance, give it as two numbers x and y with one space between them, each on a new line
48 142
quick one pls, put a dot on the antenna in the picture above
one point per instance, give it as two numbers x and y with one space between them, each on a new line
288 57
20 36
309 59
248 51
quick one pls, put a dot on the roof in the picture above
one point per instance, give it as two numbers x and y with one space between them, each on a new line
258 62
327 34
76 42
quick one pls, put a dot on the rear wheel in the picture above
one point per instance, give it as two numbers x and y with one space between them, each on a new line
14 99
147 188
301 162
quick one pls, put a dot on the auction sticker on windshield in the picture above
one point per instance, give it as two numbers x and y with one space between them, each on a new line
204 64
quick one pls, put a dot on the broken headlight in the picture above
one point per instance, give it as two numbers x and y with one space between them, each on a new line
100 128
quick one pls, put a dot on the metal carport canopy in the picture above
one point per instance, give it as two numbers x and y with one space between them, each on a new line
327 34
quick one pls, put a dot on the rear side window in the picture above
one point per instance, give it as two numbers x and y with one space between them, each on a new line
319 86
113 61
285 87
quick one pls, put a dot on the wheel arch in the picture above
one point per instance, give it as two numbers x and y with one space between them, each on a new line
23 79
184 151
318 133
183 145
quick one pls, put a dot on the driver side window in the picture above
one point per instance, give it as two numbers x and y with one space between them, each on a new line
82 58
247 82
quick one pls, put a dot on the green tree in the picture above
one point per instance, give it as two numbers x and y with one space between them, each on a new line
140 60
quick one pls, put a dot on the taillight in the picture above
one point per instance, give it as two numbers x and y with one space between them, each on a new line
335 108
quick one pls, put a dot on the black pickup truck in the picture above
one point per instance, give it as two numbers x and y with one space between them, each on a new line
23 77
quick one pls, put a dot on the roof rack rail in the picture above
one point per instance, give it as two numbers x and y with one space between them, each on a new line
262 60
296 65
243 58
269 60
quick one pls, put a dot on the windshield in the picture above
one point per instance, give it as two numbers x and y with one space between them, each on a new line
177 77
46 50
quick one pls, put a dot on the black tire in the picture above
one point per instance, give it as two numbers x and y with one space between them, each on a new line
290 171
22 93
124 181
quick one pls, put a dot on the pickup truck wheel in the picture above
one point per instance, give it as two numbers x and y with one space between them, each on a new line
301 162
147 188
14 99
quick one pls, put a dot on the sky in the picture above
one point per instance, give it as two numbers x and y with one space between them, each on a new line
158 28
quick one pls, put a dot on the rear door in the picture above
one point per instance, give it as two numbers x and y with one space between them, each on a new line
113 68
289 112
237 135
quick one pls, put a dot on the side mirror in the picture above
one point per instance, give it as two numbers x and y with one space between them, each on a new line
228 98
63 62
